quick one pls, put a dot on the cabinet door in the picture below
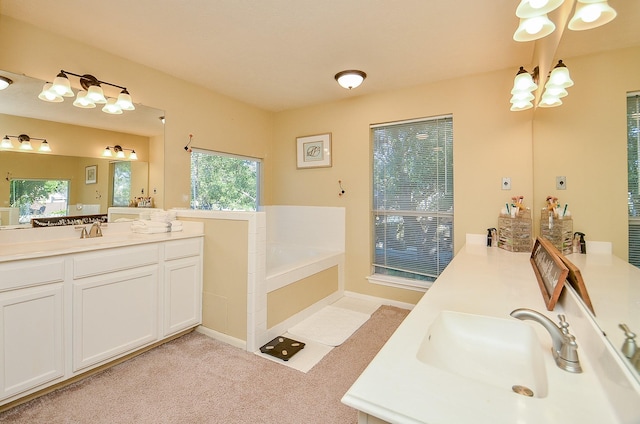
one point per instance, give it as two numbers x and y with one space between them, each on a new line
182 294
114 314
31 338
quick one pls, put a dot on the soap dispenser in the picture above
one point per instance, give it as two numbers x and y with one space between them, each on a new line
583 244
579 245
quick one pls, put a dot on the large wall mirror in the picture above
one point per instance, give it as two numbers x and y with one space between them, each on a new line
585 140
74 178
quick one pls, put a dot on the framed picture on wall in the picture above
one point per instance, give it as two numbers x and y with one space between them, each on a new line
91 174
314 151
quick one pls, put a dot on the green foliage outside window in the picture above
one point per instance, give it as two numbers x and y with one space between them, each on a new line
39 197
121 183
221 182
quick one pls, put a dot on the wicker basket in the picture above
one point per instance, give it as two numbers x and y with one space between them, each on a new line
515 234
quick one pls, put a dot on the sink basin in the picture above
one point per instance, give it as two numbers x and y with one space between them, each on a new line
498 352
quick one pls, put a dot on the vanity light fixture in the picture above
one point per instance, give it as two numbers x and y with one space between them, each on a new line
524 84
119 152
534 28
535 24
350 79
591 14
532 8
5 82
555 88
90 95
25 143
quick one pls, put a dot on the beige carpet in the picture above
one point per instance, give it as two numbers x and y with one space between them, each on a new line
195 379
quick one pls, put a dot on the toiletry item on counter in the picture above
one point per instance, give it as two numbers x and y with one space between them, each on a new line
579 244
492 237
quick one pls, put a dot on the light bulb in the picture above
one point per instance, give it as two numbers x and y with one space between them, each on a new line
112 108
537 4
44 147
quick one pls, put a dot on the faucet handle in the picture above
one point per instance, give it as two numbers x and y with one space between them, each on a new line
629 346
563 324
83 231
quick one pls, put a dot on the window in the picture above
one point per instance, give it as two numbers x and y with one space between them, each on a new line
633 175
412 216
39 198
224 182
121 183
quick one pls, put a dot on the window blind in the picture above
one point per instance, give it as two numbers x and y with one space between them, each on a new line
633 164
413 198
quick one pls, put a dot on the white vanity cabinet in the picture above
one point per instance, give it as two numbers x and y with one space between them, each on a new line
70 306
182 285
115 302
31 324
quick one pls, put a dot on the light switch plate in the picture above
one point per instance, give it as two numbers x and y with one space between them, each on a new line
506 183
561 183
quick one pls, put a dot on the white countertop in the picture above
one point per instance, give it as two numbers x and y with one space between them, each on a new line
396 386
30 243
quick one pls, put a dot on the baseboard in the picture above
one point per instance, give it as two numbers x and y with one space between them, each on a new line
225 338
380 300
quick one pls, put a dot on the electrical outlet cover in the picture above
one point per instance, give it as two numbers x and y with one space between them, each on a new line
561 183
506 183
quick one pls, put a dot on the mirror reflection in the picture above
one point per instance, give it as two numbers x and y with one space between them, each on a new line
74 178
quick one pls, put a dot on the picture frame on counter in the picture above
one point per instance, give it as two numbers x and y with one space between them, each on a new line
551 272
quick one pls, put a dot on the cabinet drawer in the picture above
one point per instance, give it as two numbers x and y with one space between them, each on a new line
110 260
31 272
182 248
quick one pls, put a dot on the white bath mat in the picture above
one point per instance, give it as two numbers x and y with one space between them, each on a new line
305 359
330 326
356 304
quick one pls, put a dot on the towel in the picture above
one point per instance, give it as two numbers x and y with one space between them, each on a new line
176 225
150 227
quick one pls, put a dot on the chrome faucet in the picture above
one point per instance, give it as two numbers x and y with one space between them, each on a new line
565 348
96 230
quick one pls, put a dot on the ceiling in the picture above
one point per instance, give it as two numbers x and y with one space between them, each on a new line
279 54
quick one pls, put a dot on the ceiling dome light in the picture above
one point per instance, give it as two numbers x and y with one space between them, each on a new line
591 14
350 79
532 8
534 28
5 82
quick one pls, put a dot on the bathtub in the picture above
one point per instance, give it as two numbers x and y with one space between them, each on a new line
286 264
